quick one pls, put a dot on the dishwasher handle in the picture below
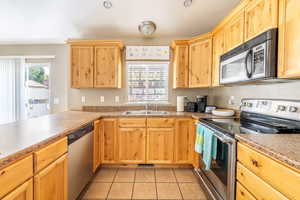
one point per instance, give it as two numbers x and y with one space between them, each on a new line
77 134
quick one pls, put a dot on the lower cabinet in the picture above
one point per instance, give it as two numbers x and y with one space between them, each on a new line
132 145
160 145
51 182
96 145
109 138
23 192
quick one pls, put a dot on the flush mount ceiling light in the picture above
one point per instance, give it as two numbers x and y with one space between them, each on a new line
187 3
107 4
147 28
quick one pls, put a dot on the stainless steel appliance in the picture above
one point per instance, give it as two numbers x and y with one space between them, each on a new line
254 60
80 157
258 116
201 103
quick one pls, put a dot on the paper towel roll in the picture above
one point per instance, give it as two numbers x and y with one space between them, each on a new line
180 103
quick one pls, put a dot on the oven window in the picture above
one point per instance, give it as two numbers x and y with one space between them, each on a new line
220 165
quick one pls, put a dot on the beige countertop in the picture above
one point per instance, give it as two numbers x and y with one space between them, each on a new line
283 147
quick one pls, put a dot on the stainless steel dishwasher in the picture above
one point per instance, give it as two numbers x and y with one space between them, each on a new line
80 157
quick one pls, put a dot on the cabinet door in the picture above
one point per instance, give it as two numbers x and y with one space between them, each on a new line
200 64
96 145
82 59
260 15
218 50
181 66
183 141
107 67
51 182
289 40
160 145
108 138
23 192
234 31
132 145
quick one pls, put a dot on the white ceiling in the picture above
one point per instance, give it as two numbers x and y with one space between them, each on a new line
54 21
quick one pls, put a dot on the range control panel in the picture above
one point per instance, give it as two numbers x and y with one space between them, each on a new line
286 109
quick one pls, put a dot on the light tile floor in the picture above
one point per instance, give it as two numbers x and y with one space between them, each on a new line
146 184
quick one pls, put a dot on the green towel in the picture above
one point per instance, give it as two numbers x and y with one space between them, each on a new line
199 139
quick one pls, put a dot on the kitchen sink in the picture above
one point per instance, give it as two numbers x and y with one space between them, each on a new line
145 112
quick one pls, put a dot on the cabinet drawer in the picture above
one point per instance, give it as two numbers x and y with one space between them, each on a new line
23 192
15 174
242 193
50 153
271 171
132 122
256 185
161 122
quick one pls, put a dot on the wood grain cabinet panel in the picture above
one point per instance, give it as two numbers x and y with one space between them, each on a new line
96 145
289 40
15 174
23 192
200 63
134 122
109 140
107 67
259 188
82 69
50 153
160 122
51 182
160 145
218 50
242 193
271 171
260 15
180 64
234 31
132 145
183 149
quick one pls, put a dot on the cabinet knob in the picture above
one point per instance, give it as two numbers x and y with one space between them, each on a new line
255 163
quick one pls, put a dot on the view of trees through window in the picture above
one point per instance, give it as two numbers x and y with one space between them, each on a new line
39 75
147 82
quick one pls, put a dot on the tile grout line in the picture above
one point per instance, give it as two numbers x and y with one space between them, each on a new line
133 183
155 182
112 183
177 184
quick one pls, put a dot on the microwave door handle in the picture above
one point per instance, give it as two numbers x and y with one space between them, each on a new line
249 74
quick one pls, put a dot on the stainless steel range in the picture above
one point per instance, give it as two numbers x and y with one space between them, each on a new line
258 116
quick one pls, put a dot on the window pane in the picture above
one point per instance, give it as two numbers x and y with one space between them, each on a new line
147 82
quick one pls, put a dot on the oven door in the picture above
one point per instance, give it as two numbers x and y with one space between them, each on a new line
220 178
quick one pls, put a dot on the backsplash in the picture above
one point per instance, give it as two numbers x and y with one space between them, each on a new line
221 96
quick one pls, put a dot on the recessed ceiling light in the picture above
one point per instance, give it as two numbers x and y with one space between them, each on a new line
187 3
147 28
107 4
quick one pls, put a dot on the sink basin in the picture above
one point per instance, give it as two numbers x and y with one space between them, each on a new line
145 112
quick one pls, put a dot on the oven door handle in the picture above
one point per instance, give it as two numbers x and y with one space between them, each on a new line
224 138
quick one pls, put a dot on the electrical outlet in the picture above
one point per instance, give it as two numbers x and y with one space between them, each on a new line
56 101
83 99
102 99
117 99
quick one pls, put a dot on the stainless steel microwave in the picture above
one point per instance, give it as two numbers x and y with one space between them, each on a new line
254 60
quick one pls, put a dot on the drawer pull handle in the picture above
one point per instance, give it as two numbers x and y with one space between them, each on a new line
255 163
2 173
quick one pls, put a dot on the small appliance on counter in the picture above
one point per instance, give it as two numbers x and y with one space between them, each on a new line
201 102
191 107
180 103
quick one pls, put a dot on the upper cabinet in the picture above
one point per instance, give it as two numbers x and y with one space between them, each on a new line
218 50
180 64
234 31
96 64
260 15
289 40
200 61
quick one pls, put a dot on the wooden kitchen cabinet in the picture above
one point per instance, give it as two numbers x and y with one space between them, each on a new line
234 31
51 182
289 40
96 63
260 15
184 143
180 64
132 145
96 144
82 69
242 193
23 192
108 66
160 145
200 62
218 50
109 140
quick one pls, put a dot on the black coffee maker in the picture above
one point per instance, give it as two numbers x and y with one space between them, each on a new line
201 102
